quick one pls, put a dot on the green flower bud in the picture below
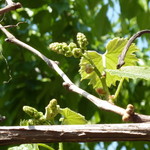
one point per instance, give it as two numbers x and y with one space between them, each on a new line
53 104
32 112
65 48
89 68
24 123
82 40
32 122
77 52
41 121
64 44
51 110
60 48
68 54
72 46
54 46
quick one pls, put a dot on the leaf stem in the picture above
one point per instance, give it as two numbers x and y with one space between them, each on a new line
60 146
102 79
45 146
118 89
105 87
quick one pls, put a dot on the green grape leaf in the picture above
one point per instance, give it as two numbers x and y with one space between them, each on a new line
133 72
108 60
71 117
25 146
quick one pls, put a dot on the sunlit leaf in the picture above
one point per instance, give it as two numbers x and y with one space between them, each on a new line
71 117
133 72
108 60
25 147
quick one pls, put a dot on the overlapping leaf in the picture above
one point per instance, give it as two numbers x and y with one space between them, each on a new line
133 72
71 117
108 60
25 147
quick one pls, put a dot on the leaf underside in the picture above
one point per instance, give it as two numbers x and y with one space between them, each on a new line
133 72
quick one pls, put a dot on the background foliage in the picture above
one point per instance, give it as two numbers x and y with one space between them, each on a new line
26 80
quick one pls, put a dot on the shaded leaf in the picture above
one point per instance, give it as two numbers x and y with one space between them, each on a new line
144 16
92 4
129 12
32 4
60 6
101 23
81 7
44 20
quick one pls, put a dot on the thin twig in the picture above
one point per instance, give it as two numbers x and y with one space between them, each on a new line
102 104
121 61
9 7
12 26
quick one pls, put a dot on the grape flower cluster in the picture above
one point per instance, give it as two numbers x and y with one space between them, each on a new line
72 49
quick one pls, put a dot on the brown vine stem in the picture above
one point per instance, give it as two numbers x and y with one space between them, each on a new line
102 104
121 61
12 26
10 6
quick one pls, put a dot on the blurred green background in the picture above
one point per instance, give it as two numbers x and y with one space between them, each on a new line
27 80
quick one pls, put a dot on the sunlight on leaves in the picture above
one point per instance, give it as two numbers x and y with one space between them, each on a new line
25 147
133 72
71 118
108 60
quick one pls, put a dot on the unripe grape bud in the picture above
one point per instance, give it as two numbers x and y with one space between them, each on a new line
64 47
66 50
32 112
51 109
130 106
126 117
111 98
60 48
82 40
130 109
100 91
77 52
89 68
31 122
68 54
53 103
72 46
54 46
